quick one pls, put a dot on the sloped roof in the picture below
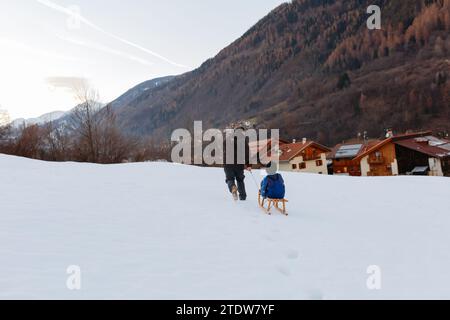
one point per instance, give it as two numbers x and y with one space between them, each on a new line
350 150
263 145
346 151
429 145
292 150
389 140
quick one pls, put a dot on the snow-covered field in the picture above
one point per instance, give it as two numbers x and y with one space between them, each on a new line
164 231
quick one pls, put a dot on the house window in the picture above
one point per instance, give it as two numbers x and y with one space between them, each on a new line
294 166
376 158
319 163
302 166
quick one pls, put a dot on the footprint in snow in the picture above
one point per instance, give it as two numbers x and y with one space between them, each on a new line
284 271
292 255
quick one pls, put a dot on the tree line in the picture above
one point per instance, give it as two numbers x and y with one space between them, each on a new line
88 134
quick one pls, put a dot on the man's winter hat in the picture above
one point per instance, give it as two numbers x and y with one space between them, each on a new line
241 125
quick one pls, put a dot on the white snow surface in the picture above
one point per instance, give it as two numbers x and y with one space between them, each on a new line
166 231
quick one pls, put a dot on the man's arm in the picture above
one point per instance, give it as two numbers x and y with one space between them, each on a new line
248 164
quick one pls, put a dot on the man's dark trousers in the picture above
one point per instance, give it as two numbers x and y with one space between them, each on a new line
235 174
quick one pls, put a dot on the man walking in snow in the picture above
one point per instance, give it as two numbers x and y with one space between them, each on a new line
237 159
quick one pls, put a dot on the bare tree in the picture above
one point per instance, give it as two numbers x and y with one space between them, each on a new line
5 142
57 142
91 135
85 124
96 136
4 129
3 132
114 146
152 150
29 142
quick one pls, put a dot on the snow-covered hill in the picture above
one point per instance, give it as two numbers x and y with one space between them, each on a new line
165 231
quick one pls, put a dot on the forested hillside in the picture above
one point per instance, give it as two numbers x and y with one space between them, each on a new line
313 69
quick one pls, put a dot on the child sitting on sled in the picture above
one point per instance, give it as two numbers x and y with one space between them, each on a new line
272 186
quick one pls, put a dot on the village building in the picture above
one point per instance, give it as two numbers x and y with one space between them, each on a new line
343 158
380 159
263 148
415 153
406 154
425 155
305 156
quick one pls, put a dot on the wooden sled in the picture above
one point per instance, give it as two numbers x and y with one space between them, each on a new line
272 203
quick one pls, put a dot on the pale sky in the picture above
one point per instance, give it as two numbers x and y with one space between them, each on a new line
114 44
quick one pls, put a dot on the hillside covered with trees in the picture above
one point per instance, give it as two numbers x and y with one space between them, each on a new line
314 69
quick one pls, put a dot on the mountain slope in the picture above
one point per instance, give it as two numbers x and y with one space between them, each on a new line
138 90
312 68
61 117
136 233
45 118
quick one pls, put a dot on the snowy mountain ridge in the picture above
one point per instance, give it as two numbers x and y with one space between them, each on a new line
43 119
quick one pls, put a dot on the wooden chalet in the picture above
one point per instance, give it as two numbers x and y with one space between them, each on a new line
263 147
305 156
343 158
424 155
404 154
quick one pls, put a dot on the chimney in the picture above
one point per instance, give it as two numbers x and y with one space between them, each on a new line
389 133
294 140
304 140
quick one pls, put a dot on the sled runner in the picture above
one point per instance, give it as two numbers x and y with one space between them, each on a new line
272 203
